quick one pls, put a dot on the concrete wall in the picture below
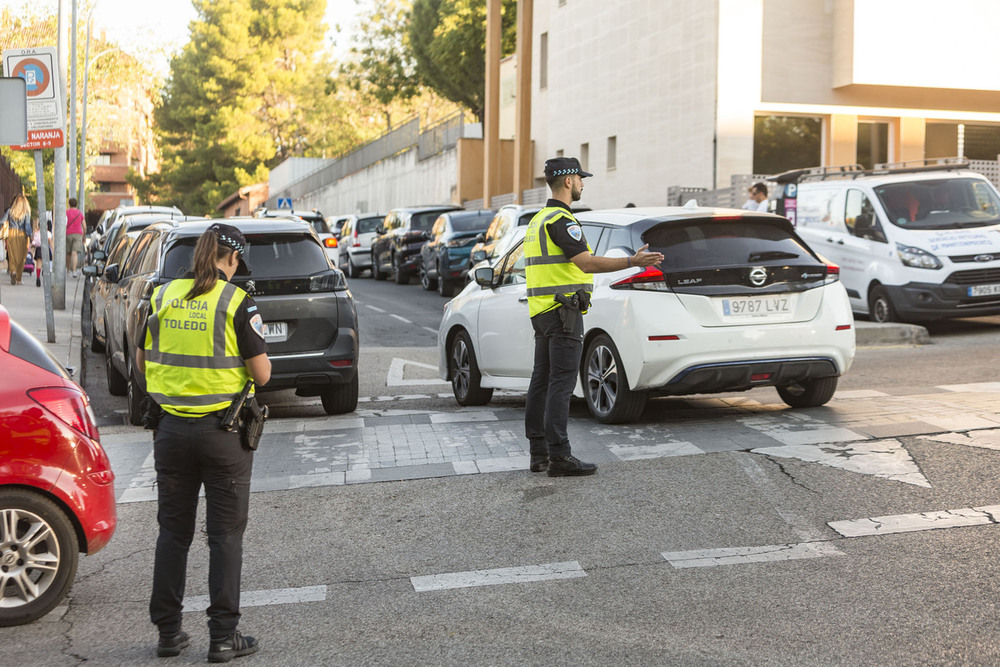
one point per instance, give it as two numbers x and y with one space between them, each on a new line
401 180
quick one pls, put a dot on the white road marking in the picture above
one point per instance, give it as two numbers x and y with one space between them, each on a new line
975 387
263 598
506 575
985 439
798 429
629 453
462 417
377 310
401 318
433 331
887 459
909 523
739 555
394 378
860 393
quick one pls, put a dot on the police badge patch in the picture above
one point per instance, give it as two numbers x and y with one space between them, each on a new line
574 230
257 324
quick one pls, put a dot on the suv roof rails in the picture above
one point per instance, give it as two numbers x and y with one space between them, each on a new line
852 171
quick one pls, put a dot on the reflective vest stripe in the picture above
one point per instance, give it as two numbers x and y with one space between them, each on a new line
219 338
199 401
543 239
558 289
538 261
192 360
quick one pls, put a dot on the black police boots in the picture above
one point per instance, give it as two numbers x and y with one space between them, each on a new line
171 645
539 462
570 466
233 646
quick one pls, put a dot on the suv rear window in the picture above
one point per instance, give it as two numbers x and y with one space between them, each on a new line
366 225
271 256
423 221
707 244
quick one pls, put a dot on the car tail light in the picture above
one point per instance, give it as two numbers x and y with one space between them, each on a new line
354 238
832 273
342 363
327 282
330 242
70 406
650 278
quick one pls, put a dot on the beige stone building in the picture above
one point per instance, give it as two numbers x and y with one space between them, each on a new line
654 93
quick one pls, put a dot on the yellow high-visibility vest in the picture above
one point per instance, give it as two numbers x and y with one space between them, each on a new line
193 363
546 269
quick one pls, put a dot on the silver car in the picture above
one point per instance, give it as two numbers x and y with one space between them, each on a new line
354 248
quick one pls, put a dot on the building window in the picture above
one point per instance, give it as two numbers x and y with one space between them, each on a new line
976 142
781 143
585 156
612 153
873 143
102 159
543 61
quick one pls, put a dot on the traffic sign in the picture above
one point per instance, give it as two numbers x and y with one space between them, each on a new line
39 67
285 202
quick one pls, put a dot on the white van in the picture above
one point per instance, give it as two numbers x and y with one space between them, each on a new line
913 243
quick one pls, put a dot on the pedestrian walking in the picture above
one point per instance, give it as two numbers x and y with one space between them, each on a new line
17 220
203 341
36 243
74 238
558 262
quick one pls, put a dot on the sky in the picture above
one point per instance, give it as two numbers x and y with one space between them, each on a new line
158 27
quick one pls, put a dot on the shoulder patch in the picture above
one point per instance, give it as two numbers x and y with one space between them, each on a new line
574 230
257 324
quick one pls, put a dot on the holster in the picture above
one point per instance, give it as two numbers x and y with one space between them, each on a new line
572 310
152 413
252 418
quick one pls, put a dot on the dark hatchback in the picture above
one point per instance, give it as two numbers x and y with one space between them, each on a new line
444 259
310 319
398 240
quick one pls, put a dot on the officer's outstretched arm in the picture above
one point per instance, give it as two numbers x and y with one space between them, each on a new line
589 263
259 368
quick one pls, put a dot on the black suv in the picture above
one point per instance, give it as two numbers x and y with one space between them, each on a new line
310 320
398 240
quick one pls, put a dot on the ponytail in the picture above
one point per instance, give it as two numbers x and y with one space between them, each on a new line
207 253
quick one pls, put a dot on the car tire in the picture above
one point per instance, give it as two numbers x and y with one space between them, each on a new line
605 384
426 281
401 276
342 398
352 271
95 343
446 288
880 308
117 383
466 380
43 537
809 394
135 395
376 270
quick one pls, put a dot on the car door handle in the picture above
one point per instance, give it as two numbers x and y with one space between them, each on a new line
838 241
523 299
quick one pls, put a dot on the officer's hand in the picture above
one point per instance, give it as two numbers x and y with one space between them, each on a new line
643 258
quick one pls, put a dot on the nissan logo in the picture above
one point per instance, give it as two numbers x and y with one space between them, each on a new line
758 276
984 258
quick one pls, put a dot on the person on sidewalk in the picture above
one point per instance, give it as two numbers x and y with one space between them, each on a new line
203 341
757 200
558 262
74 237
36 243
18 219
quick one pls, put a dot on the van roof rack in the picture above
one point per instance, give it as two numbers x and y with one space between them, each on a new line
853 171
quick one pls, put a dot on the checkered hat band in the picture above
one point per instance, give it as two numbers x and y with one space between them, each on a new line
231 242
564 172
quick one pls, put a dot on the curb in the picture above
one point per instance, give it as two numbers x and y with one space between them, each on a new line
871 334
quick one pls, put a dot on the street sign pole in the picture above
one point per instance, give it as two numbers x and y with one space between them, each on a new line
59 179
43 235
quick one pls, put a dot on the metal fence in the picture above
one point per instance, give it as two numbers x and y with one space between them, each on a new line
441 137
731 197
532 197
10 184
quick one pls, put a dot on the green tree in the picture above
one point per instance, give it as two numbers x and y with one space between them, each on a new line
381 65
448 42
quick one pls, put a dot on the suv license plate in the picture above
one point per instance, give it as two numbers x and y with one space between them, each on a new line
757 306
984 290
275 332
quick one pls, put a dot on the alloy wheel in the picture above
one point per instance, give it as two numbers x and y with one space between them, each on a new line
602 379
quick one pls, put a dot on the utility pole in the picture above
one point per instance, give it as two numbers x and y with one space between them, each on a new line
491 115
59 185
72 101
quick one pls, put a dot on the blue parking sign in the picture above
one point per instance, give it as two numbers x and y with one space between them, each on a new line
285 202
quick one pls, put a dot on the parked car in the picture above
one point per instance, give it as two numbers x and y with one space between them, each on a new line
495 241
310 318
354 245
915 243
739 302
327 236
100 236
101 288
444 259
57 494
132 221
397 242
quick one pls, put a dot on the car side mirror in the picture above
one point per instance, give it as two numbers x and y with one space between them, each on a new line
100 255
111 273
484 276
380 230
90 270
480 237
425 235
478 255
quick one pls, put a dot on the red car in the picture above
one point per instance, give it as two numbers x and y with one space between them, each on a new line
57 493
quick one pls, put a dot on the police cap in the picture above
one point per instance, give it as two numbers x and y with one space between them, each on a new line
564 166
233 238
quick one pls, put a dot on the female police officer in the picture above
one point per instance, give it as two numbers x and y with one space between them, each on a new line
204 339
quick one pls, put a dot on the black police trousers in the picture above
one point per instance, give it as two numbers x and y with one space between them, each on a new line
190 452
553 378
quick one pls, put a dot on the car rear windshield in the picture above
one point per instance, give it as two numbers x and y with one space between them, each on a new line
271 256
948 203
424 221
471 223
704 244
25 346
367 225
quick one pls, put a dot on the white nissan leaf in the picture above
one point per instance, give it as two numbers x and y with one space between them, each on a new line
740 301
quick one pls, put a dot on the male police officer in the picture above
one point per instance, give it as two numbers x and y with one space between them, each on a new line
558 263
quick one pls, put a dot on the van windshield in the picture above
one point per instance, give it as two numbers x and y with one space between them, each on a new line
948 203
